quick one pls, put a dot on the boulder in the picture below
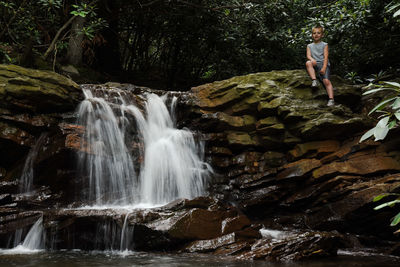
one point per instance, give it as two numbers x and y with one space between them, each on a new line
31 90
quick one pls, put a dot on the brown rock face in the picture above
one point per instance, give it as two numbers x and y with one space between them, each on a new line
34 105
198 224
301 159
282 159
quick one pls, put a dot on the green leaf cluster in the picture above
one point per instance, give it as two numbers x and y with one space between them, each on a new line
389 109
396 219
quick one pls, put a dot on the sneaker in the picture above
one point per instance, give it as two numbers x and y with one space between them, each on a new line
331 102
314 83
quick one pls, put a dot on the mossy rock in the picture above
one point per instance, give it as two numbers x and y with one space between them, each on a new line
300 111
29 90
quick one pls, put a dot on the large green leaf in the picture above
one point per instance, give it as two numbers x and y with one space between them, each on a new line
387 204
367 135
378 89
396 103
392 124
397 114
381 129
380 133
383 122
394 84
381 105
379 197
395 220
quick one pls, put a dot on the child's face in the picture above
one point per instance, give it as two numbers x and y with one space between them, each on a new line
317 34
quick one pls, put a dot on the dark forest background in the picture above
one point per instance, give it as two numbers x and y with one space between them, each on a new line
176 44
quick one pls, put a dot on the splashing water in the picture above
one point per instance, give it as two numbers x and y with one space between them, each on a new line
35 238
33 242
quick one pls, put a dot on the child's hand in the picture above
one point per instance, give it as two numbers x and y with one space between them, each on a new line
322 71
314 62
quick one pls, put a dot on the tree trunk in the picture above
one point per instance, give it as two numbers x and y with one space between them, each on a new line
75 50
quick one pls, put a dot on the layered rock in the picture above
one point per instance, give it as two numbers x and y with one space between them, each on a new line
287 159
282 159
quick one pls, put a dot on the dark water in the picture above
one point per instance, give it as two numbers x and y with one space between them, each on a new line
88 259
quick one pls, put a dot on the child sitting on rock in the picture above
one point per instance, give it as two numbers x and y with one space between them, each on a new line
318 62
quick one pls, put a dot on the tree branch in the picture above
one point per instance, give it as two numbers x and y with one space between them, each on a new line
53 43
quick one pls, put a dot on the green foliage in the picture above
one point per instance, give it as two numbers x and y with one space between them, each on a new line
395 8
396 219
353 77
389 109
51 4
376 77
182 43
82 10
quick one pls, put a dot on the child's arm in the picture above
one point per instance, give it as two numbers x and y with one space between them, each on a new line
326 56
309 57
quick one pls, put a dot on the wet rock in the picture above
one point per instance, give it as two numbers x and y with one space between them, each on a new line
298 168
210 245
199 224
300 246
5 199
230 225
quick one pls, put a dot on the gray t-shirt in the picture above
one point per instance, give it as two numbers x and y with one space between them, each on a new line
317 51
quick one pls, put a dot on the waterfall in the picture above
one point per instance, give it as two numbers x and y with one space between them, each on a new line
35 238
126 234
26 180
34 241
172 165
108 164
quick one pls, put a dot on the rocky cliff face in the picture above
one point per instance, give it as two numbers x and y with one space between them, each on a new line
286 158
34 104
282 160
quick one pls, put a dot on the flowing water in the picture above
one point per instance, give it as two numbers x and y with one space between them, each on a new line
26 180
33 242
172 164
106 161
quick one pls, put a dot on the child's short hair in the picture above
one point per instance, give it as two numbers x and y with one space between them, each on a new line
318 27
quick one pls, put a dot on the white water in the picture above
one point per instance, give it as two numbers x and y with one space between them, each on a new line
108 165
274 235
26 180
172 164
126 234
33 242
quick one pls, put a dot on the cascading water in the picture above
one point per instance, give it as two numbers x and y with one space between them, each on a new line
26 180
126 234
33 242
172 167
108 164
35 238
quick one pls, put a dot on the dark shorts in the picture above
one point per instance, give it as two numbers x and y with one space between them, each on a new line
327 71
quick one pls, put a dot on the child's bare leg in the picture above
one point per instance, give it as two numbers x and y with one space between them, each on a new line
310 69
329 88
